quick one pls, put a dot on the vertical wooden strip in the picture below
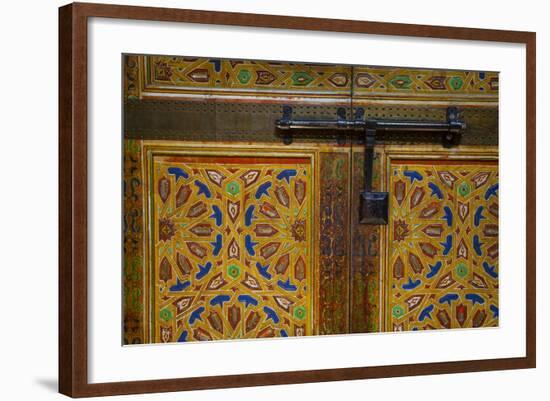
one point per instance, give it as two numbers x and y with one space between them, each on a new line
80 200
72 201
334 240
134 299
131 77
365 255
65 201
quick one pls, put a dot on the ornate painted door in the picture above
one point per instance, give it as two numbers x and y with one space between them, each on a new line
231 234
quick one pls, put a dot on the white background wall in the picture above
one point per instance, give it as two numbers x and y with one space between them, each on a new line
28 199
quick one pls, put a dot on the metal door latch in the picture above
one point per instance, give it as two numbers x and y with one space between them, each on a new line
374 205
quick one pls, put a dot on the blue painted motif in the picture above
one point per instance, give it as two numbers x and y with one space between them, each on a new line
183 337
262 190
475 299
249 244
203 270
491 191
478 216
178 172
286 175
411 285
217 64
426 313
448 215
434 270
285 285
413 175
494 309
435 190
219 300
196 315
448 298
271 314
477 245
217 245
263 270
203 189
447 245
216 215
249 215
180 286
247 300
490 270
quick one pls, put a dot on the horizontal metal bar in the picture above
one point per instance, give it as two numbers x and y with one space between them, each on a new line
374 205
379 125
404 125
320 124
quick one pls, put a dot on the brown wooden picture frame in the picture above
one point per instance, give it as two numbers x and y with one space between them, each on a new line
73 198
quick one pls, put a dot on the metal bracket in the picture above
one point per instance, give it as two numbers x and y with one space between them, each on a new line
374 205
287 116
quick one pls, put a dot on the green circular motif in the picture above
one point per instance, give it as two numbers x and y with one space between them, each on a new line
300 312
456 83
398 311
244 76
461 270
233 188
166 315
234 271
464 189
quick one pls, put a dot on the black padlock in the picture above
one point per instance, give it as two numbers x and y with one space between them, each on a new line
374 208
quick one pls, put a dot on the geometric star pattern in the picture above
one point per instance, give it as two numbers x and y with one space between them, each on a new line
232 247
443 245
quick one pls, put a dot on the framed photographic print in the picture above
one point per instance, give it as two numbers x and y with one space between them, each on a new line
281 200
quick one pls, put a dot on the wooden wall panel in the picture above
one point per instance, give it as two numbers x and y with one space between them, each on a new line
334 259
